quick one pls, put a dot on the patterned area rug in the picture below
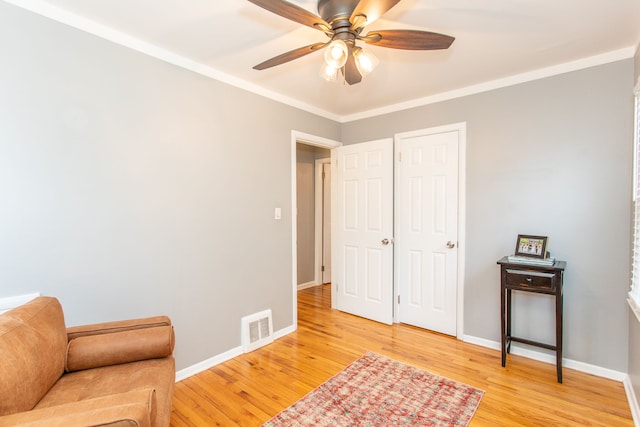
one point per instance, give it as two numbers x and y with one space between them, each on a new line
377 391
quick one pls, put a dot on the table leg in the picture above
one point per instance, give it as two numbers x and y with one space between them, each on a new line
559 335
509 320
502 326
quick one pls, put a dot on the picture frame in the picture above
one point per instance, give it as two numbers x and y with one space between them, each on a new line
531 246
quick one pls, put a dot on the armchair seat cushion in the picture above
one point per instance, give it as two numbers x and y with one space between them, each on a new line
135 408
158 374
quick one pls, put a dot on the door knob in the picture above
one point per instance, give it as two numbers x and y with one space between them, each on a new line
451 245
385 242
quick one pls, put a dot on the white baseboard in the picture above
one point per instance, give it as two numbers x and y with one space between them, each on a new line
571 364
223 357
307 285
633 400
209 363
549 358
481 342
286 331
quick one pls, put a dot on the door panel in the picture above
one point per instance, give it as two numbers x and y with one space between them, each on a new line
428 220
362 218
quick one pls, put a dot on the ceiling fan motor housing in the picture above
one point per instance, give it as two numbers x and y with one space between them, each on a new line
332 10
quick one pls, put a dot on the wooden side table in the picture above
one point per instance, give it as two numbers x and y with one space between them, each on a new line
530 278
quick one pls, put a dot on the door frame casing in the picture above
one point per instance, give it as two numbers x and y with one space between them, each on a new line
317 141
461 128
319 217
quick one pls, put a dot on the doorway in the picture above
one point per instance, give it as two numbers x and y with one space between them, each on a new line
304 273
310 186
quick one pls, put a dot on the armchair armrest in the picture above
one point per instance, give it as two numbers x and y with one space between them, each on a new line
131 409
118 326
106 344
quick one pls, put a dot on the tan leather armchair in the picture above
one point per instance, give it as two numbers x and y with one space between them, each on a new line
114 374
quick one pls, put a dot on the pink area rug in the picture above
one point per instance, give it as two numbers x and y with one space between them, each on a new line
377 391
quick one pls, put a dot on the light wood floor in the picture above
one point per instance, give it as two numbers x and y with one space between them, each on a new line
250 389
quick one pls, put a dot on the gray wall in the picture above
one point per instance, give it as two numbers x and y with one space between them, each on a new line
550 157
306 213
131 187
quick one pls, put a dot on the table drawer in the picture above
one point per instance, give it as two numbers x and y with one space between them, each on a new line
530 279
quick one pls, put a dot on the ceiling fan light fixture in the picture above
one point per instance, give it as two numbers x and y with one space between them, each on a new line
336 54
366 61
329 72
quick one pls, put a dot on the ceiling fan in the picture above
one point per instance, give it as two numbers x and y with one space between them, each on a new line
343 22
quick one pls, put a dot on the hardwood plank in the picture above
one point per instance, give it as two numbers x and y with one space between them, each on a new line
251 388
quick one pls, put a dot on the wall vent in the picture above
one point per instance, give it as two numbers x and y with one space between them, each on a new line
257 330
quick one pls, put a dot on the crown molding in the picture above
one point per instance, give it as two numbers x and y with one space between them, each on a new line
47 10
42 8
541 73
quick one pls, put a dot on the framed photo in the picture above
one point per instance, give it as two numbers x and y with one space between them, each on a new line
531 246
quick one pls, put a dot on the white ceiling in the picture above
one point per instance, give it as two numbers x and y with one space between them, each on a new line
497 42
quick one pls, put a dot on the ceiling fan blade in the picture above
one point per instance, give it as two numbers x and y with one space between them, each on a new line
289 56
372 9
294 13
408 39
351 73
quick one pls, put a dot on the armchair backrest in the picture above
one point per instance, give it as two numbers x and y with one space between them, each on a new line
33 342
